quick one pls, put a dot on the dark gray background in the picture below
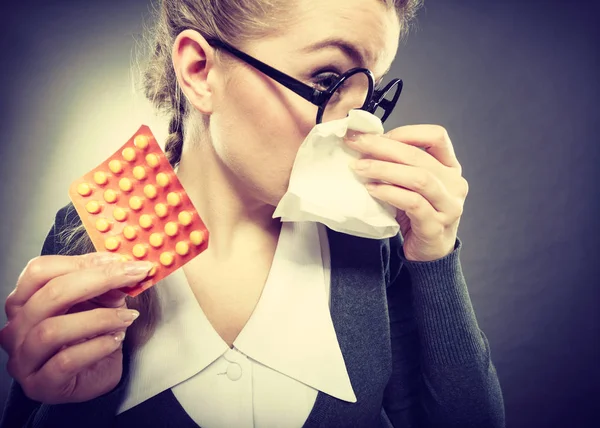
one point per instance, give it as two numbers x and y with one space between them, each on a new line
514 82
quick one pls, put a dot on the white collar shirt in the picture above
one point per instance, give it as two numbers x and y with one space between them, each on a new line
286 353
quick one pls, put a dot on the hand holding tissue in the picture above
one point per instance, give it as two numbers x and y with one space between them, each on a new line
323 188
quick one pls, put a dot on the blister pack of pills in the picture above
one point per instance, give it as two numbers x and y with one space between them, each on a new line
133 204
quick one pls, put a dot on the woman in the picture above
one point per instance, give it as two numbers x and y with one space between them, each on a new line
395 343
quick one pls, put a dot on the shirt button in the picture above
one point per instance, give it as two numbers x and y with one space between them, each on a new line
234 371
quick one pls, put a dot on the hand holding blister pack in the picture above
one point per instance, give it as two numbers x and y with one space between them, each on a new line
323 188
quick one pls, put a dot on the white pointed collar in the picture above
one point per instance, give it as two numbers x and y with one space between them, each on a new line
290 330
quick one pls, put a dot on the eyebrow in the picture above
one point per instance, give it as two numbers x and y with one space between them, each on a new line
346 47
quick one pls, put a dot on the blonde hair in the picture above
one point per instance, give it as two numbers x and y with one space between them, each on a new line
232 21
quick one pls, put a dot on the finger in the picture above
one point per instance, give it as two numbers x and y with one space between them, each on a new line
386 149
111 299
423 217
61 371
42 269
48 337
433 138
418 180
61 293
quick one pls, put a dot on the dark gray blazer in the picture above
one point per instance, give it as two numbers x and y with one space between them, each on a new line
413 350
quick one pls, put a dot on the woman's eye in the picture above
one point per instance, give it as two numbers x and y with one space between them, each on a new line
324 81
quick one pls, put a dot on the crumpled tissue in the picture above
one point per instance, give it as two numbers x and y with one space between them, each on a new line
323 188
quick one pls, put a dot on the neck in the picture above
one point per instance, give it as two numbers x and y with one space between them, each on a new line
238 223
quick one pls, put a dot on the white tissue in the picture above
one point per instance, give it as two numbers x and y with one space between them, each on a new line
323 188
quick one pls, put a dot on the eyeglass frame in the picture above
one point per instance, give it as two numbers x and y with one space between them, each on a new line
375 97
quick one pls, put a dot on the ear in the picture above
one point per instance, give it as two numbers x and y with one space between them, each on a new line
193 60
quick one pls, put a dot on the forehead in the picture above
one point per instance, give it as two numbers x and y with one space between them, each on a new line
366 24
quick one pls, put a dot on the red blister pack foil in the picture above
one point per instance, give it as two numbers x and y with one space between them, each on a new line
133 204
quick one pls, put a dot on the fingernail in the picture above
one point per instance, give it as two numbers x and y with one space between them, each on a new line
127 314
136 268
371 186
120 336
105 258
353 135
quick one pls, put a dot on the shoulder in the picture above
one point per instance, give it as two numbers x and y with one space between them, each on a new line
67 217
68 236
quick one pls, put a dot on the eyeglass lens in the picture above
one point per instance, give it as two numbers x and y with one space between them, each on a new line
352 94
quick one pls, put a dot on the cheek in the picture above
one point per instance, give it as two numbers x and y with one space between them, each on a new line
274 112
258 132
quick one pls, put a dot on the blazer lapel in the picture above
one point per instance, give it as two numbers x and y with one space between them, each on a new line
361 322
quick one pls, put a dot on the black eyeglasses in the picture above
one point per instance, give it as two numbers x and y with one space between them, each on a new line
353 89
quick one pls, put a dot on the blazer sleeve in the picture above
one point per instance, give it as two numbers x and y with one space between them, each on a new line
442 372
21 411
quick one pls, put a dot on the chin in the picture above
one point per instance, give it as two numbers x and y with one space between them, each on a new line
273 199
273 195
270 188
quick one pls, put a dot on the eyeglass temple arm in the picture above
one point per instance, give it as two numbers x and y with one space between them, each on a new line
307 92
